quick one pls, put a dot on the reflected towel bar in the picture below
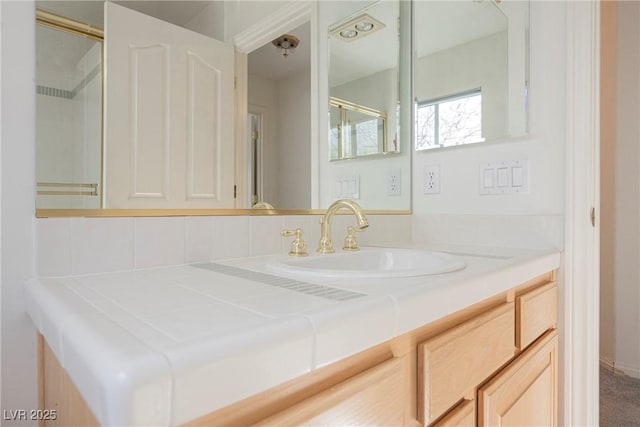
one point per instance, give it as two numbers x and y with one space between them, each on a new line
92 189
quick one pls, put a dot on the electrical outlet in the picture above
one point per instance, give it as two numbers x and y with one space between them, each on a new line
393 183
431 174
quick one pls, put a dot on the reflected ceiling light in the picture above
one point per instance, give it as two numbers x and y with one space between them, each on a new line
357 28
348 34
364 26
287 43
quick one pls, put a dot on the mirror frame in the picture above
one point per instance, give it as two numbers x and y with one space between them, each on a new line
257 35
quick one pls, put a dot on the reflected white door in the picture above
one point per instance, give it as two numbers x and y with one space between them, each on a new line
168 115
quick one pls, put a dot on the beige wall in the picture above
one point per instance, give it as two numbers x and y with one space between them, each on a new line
607 181
620 276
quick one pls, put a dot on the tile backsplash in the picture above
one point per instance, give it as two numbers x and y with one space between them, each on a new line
74 246
510 231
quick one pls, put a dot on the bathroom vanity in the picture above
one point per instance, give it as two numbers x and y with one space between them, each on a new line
472 347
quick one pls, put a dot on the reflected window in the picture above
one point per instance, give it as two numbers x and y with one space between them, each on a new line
366 137
355 130
449 121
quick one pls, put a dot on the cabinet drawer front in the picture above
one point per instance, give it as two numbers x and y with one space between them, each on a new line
453 363
525 392
463 415
376 397
536 312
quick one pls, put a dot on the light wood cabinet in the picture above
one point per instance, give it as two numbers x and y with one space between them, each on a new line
536 312
525 392
375 397
454 362
493 363
463 415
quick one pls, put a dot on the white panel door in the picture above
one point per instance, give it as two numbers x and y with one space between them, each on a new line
168 115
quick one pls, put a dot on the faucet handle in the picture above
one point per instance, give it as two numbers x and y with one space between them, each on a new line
298 246
350 242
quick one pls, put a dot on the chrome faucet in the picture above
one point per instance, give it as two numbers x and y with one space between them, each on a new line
326 244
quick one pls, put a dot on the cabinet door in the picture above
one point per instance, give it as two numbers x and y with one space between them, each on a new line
168 117
463 415
525 392
376 397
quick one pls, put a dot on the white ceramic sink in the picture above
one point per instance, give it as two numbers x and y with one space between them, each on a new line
370 263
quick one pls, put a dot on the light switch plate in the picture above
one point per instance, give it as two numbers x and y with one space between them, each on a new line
347 187
504 177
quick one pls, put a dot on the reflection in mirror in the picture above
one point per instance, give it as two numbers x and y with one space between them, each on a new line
356 130
283 173
363 158
471 71
363 75
68 113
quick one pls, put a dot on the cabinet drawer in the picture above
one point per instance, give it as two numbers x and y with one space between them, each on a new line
463 415
376 397
536 312
453 363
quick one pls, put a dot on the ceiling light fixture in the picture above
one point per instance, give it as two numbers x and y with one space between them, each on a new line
364 26
357 28
287 43
348 34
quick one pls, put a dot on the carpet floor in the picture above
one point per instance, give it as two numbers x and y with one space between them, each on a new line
619 400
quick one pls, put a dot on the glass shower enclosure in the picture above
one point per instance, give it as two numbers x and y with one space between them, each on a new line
68 113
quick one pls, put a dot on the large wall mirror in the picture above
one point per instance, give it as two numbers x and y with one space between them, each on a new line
356 101
367 155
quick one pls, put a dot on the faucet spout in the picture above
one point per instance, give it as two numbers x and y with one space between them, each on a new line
326 244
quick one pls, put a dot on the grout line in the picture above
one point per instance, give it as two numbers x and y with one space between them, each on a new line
72 242
135 244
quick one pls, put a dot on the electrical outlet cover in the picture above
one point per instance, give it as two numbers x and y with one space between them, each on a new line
393 183
431 175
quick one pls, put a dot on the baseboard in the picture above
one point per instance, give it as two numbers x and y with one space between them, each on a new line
607 364
632 371
619 369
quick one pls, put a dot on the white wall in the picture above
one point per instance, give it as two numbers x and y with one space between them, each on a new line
543 147
285 105
240 15
19 368
294 140
210 21
623 286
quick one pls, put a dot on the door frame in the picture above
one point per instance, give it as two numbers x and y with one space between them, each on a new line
263 113
291 15
580 299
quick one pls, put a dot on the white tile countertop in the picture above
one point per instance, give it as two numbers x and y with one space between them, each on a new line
166 345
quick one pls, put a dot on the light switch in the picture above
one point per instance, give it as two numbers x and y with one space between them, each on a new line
488 178
503 177
517 176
